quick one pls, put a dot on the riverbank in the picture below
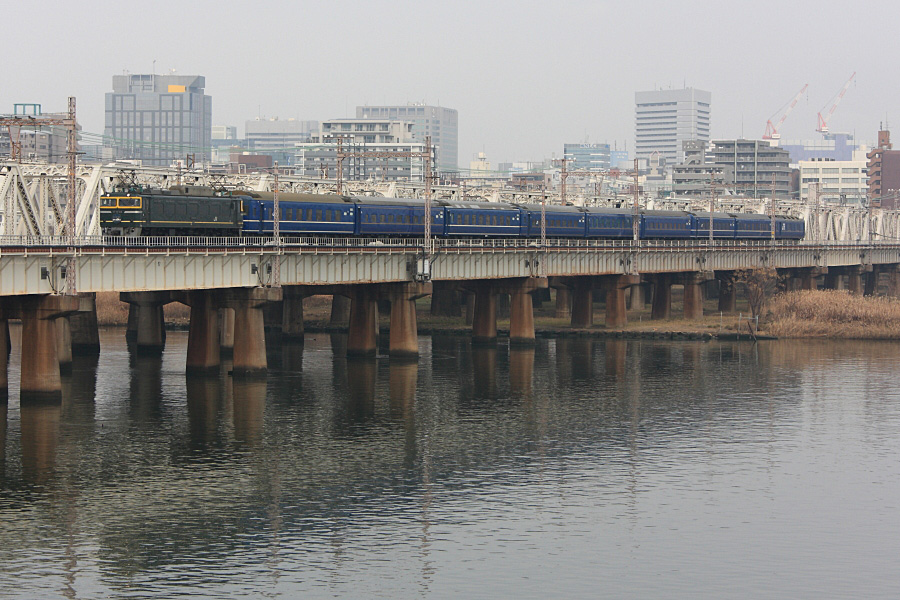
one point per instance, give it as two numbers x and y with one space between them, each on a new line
833 314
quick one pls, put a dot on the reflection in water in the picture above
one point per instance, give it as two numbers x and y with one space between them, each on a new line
615 353
361 377
521 371
204 406
292 356
469 473
146 388
40 438
248 408
4 408
484 370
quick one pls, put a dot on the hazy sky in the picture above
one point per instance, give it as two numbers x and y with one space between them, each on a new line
526 77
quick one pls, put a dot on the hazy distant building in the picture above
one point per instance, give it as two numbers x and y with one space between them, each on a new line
224 132
842 181
158 119
318 157
278 137
697 175
753 164
587 157
883 166
664 119
619 159
441 123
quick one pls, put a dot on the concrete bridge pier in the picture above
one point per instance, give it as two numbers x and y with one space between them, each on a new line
204 351
727 291
637 296
292 313
484 319
854 280
521 311
340 311
693 296
807 279
40 346
404 338
64 344
226 331
445 299
871 284
615 286
361 334
563 302
249 327
583 302
85 331
662 297
150 324
834 279
893 272
131 326
4 359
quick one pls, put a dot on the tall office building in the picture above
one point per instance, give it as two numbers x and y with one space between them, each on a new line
664 119
158 119
438 122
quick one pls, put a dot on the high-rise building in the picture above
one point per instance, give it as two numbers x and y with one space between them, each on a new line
883 167
841 181
587 157
158 119
442 124
664 119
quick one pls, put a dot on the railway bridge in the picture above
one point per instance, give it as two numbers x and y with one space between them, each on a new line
48 282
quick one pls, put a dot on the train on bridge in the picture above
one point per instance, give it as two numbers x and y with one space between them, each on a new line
199 211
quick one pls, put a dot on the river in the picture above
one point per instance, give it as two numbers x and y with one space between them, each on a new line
580 468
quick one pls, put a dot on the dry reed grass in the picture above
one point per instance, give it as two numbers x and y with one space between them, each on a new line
833 314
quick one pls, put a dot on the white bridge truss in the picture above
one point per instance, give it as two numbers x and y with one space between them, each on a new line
32 199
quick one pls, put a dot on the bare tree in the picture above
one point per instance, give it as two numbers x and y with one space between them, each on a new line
759 285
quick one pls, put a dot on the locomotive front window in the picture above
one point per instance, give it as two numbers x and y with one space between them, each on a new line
130 202
108 202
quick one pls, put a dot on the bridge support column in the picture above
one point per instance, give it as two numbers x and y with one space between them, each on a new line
85 332
151 326
4 363
40 357
64 344
583 302
521 311
833 279
484 319
249 327
854 280
204 343
361 338
132 325
292 313
637 297
445 299
727 292
693 297
871 285
662 297
404 339
616 313
807 279
470 308
893 272
226 331
563 303
340 311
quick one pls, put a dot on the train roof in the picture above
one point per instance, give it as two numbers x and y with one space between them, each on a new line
556 208
479 205
607 210
295 197
665 213
715 215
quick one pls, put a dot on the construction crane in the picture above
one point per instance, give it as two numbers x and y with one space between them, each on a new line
772 132
823 121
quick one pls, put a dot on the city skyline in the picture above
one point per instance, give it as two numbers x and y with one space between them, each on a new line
518 97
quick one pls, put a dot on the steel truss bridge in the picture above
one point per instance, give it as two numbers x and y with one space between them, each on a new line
32 199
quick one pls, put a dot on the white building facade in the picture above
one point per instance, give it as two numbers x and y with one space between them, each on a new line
665 119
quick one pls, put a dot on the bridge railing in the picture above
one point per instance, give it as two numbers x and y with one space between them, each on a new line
453 245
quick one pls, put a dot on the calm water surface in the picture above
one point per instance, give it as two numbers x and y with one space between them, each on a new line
582 468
